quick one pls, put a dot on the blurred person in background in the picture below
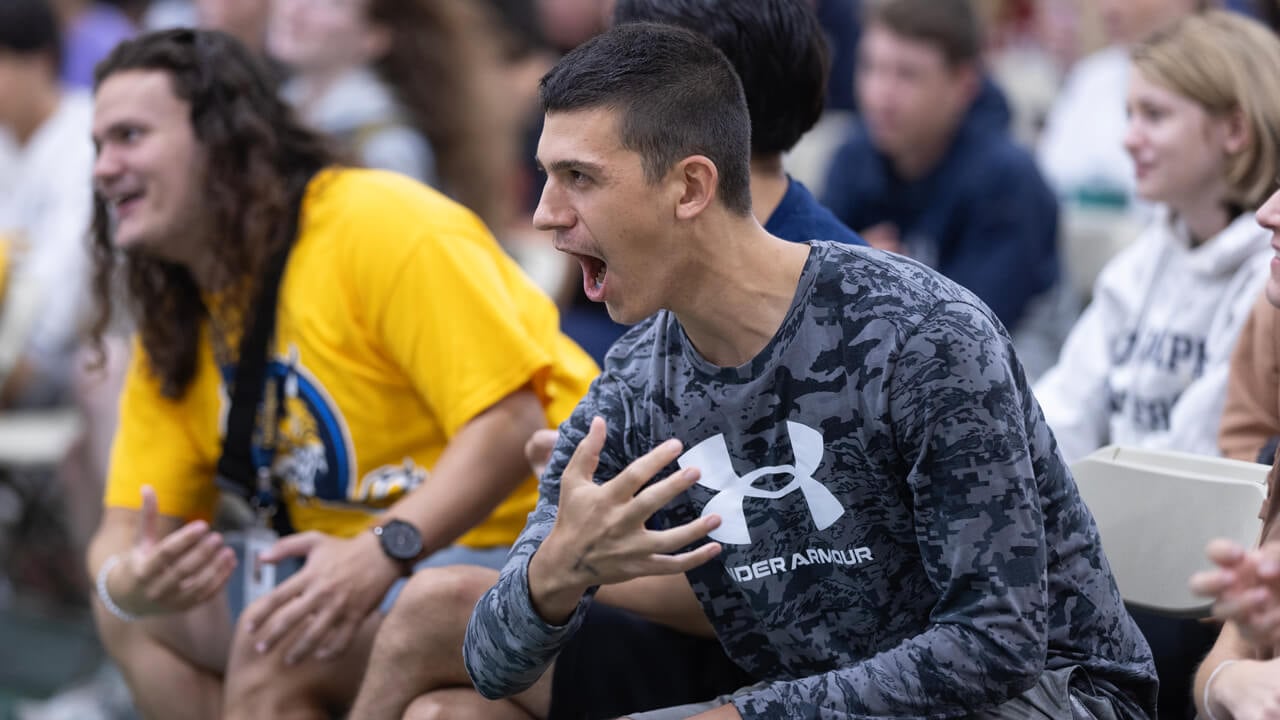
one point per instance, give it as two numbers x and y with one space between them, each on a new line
932 172
403 85
246 20
90 30
44 216
45 213
1020 61
1148 362
566 24
1081 150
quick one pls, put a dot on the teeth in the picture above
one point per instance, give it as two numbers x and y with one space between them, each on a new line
600 278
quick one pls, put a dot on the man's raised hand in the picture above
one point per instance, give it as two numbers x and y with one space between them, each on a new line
600 535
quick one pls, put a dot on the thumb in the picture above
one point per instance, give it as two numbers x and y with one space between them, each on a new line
150 518
292 546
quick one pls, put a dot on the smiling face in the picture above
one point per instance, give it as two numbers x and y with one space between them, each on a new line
150 165
1179 151
605 213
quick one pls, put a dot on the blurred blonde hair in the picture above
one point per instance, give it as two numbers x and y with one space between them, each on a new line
1226 63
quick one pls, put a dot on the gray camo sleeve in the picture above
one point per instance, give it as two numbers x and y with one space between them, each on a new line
957 407
508 645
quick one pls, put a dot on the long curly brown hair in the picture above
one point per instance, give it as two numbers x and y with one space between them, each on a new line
443 65
260 159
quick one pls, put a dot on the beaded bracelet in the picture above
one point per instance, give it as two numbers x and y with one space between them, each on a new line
1208 712
105 597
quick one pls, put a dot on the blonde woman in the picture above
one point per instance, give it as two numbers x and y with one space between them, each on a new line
1147 363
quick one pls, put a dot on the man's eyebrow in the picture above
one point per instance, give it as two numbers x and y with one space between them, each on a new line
567 165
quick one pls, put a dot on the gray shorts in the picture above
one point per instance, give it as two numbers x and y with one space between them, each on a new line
453 555
493 558
1052 698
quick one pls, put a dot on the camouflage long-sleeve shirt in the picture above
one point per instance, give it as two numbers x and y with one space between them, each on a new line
900 536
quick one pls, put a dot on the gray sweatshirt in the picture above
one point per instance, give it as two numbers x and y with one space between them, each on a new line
900 536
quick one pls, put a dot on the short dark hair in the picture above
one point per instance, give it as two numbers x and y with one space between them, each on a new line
30 27
777 47
952 26
676 94
260 160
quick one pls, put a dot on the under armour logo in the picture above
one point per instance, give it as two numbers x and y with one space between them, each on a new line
711 456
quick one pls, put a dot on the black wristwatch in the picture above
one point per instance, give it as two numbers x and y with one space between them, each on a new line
401 542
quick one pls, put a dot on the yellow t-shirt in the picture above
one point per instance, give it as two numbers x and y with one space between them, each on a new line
400 319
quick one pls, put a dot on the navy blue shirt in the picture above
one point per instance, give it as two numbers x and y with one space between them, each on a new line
983 217
800 218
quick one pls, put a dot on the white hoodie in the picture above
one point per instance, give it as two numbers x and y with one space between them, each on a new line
1146 364
46 215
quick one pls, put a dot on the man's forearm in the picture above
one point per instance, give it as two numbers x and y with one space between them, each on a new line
483 463
508 643
554 592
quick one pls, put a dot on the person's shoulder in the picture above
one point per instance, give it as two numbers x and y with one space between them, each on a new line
632 357
800 217
884 286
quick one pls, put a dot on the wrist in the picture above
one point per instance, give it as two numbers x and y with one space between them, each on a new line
108 589
393 568
554 589
1217 689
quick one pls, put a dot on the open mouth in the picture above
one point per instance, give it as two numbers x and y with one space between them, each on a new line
594 276
124 203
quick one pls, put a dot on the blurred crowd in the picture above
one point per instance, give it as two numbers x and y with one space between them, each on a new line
1109 206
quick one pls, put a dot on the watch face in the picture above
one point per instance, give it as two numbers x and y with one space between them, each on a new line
401 540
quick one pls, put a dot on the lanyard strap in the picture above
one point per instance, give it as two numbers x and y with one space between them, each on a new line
237 470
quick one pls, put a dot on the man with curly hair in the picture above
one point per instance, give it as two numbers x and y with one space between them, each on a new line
410 361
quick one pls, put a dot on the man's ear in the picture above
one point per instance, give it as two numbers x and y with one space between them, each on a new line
697 180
